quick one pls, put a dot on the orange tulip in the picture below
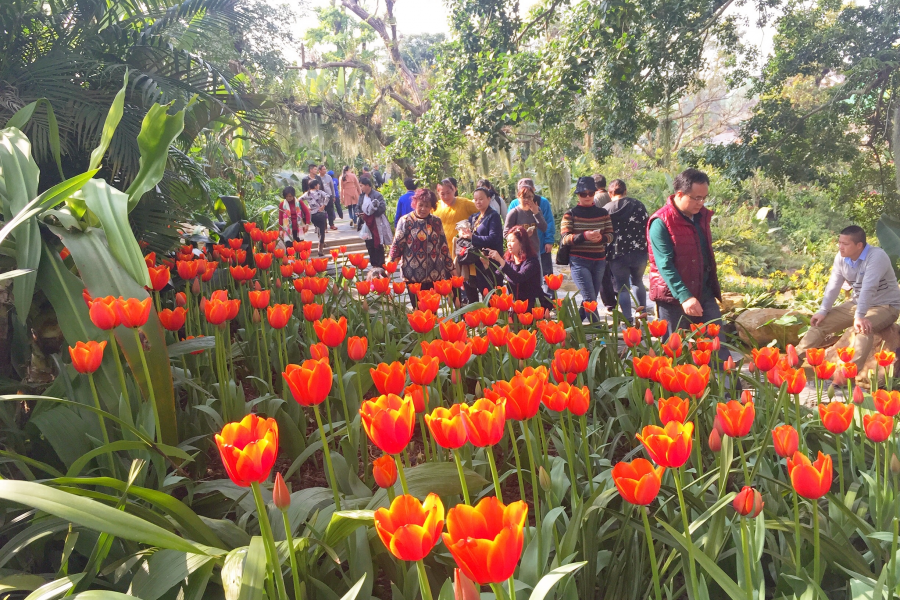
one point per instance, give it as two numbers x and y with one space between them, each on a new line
887 403
348 272
331 332
523 396
187 269
810 480
525 319
452 331
263 260
421 321
447 427
885 358
310 383
428 300
878 427
796 380
159 277
701 357
825 370
248 449
133 312
850 369
673 409
456 354
259 299
590 306
484 421
389 421
279 314
242 273
443 287
86 357
522 344
846 353
578 400
736 418
215 310
836 416
103 312
498 336
631 337
520 306
357 347
389 378
319 351
643 366
472 318
670 446
553 399
673 346
422 371
173 320
384 469
638 482
815 356
399 287
748 502
502 302
281 496
489 316
765 358
363 287
693 380
434 349
572 360
658 328
381 285
786 440
486 539
415 393
554 332
554 281
480 345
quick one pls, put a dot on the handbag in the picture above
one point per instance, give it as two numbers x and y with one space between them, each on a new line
562 255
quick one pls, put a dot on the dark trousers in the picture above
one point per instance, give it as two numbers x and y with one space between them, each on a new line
320 222
329 210
376 253
628 271
674 314
338 208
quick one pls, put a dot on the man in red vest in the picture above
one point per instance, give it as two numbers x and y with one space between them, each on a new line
683 279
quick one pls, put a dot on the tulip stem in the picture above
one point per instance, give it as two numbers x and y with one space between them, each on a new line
840 457
402 474
571 461
295 575
745 546
796 534
339 367
740 446
490 453
817 576
137 339
462 477
689 543
423 581
327 451
512 588
109 454
653 564
265 529
535 484
797 416
120 372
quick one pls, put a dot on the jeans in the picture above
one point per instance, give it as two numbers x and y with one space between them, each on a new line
546 269
674 314
628 271
351 213
588 277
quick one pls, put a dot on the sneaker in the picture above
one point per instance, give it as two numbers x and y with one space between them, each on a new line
334 228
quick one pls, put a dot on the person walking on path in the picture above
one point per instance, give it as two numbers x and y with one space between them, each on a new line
601 196
350 192
420 245
684 281
293 216
404 203
628 253
874 301
375 229
328 187
485 233
586 228
317 201
546 237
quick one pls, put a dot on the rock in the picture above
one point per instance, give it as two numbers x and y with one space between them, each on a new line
755 328
887 339
731 300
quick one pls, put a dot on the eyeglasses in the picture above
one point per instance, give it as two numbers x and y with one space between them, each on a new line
585 194
697 198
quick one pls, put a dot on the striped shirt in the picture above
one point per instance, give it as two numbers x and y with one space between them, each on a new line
580 219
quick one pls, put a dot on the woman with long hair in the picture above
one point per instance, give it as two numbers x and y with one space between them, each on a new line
521 267
350 192
485 232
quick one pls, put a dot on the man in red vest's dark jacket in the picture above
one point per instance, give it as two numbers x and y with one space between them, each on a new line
683 279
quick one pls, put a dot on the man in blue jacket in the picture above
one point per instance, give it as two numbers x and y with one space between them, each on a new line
404 203
547 238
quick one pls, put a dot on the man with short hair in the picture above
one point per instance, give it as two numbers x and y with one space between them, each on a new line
684 282
378 177
328 188
312 173
601 196
874 300
404 203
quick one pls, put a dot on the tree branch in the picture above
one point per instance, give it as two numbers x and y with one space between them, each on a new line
347 64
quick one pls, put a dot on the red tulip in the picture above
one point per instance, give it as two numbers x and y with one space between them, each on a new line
887 403
447 427
554 332
310 383
670 446
554 281
824 370
452 331
836 416
357 347
878 427
312 312
173 320
86 357
486 540
846 353
810 480
673 409
765 358
384 469
484 421
389 421
421 321
331 332
639 481
259 299
389 379
748 503
673 346
815 356
422 371
279 314
133 312
159 277
885 358
736 418
319 351
248 449
522 344
497 336
281 496
658 328
103 312
693 380
786 440
456 354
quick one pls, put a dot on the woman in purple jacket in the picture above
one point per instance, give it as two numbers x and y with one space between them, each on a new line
521 267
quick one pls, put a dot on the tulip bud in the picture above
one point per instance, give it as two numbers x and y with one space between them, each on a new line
478 389
715 441
278 283
895 464
751 367
648 397
746 396
335 289
858 395
384 470
748 502
729 364
256 285
717 425
544 479
453 376
365 305
280 494
256 316
830 392
463 587
195 286
792 356
716 344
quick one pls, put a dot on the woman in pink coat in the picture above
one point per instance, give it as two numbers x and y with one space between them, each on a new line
350 192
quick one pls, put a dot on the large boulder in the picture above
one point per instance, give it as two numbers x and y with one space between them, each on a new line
731 300
757 327
886 339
